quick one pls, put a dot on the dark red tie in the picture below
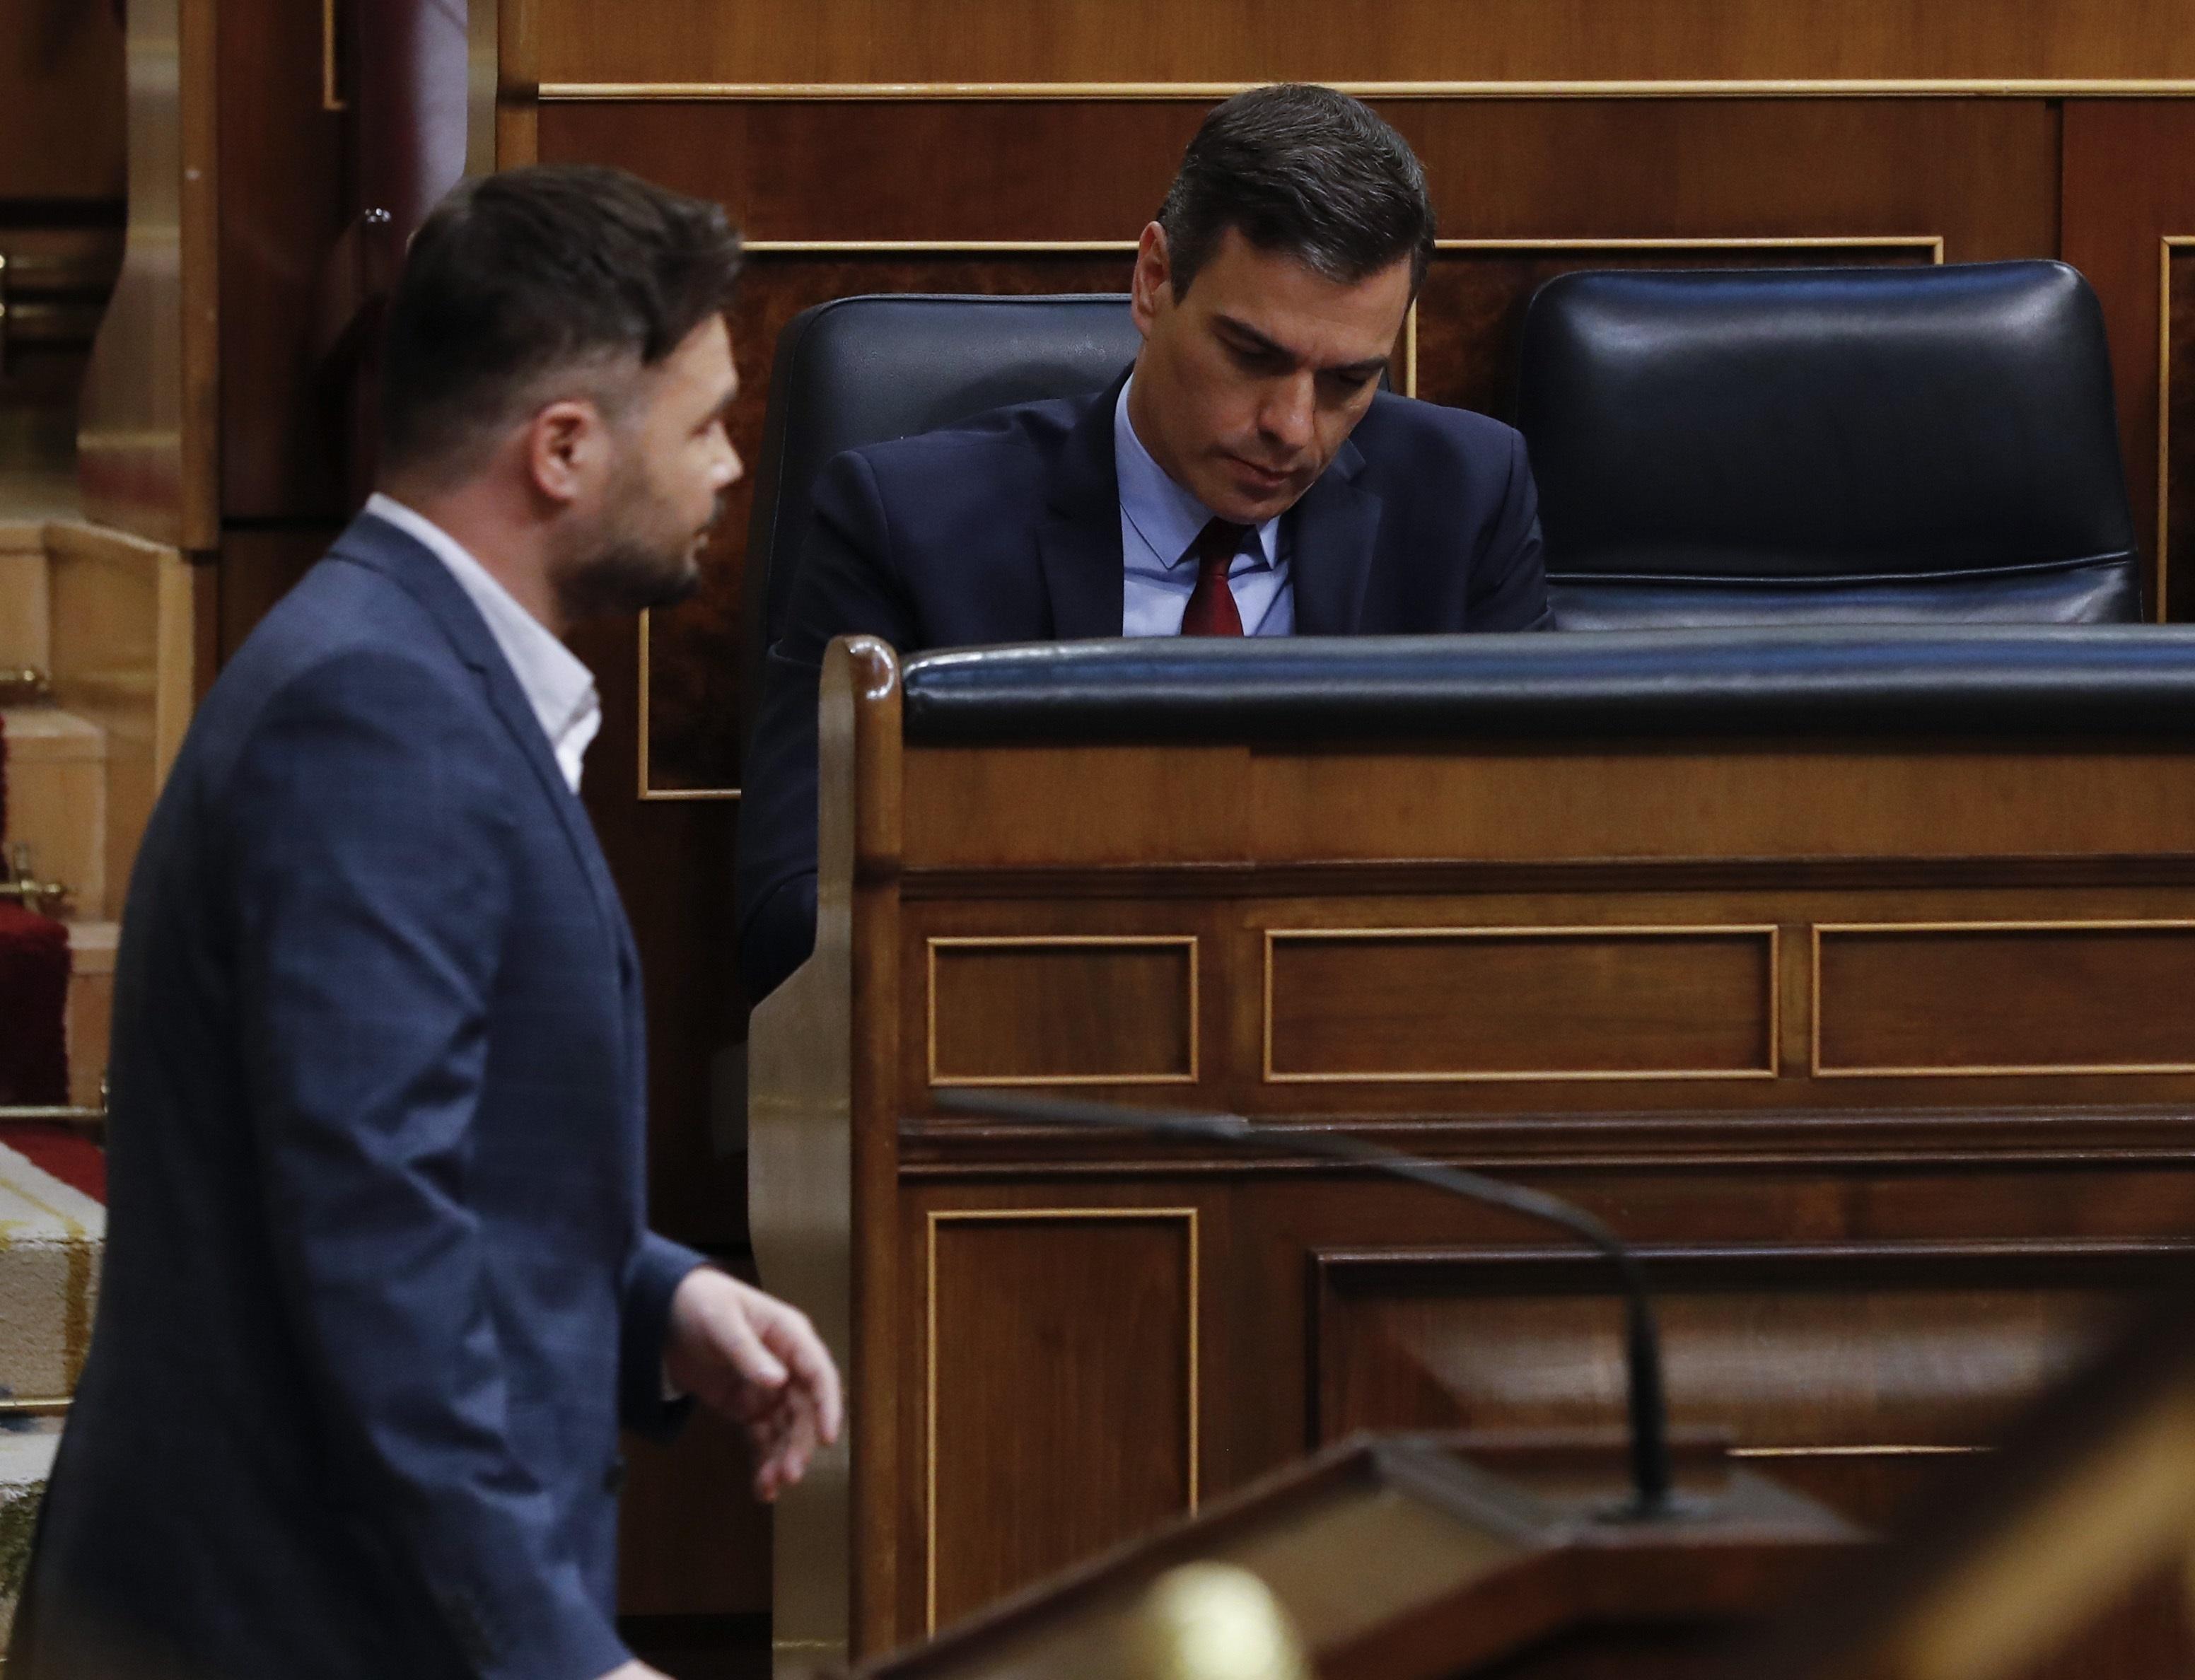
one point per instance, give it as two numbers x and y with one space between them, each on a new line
1212 610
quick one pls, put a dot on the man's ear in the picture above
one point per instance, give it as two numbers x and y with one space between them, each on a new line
566 443
1150 288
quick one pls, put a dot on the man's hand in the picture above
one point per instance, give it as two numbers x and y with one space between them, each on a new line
635 1670
759 1362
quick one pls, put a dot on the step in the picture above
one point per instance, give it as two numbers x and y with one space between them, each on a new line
57 800
26 1461
51 1236
90 1007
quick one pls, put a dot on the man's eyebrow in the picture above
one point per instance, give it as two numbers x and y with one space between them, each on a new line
1264 345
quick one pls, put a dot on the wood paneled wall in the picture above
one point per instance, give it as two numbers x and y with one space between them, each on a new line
899 41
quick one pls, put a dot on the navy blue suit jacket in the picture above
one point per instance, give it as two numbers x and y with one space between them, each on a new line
378 1286
1007 528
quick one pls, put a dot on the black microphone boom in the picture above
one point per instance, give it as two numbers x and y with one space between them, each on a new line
1650 1414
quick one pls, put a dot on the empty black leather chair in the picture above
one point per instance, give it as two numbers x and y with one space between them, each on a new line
1859 445
861 370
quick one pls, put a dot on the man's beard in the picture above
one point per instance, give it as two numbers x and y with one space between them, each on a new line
626 576
617 565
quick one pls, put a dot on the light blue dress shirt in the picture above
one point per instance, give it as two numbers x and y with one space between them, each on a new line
1159 524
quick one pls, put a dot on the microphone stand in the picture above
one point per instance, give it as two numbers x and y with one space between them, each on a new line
1648 1404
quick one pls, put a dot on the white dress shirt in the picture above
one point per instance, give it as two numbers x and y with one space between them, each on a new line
1159 525
557 686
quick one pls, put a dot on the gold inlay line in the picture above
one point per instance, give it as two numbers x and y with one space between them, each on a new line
1885 1452
572 93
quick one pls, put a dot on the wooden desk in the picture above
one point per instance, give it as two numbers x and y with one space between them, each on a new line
1877 1048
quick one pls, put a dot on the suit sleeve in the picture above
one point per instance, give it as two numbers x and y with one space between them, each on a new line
1509 575
370 857
659 1266
846 586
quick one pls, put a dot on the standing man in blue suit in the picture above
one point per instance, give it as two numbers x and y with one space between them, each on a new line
1246 477
379 1289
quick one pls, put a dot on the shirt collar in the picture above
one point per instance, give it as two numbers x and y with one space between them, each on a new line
558 688
1166 516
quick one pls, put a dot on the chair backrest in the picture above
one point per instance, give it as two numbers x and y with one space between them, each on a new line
862 370
1838 445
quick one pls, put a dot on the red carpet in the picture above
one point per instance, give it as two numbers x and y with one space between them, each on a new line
70 1156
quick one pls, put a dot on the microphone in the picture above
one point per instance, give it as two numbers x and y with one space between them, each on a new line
1648 1404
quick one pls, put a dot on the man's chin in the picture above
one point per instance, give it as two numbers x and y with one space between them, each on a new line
1240 497
676 586
622 582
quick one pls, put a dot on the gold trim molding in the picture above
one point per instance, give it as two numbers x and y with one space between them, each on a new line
1055 942
1865 1452
1980 1070
1193 1447
650 794
585 93
1768 931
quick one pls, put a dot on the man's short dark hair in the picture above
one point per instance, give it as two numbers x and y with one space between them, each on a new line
519 277
1305 171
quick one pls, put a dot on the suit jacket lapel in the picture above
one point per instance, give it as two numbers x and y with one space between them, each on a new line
1080 540
376 544
1336 526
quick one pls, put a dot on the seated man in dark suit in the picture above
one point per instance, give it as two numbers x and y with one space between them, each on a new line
1246 477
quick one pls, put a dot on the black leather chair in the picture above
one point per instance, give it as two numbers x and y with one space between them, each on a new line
1855 446
860 369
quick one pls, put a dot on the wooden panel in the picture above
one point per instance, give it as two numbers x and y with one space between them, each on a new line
1856 1369
1085 168
1760 168
1462 1003
1383 1025
258 568
283 203
2032 998
1120 805
1094 1311
61 128
673 863
2129 183
1063 1010
884 41
695 1541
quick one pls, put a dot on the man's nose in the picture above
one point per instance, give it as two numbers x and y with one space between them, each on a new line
1286 416
731 469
